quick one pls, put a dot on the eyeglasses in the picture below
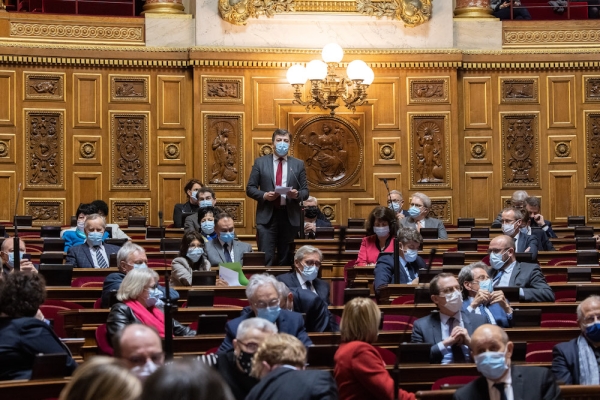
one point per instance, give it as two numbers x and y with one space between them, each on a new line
590 319
251 346
496 251
271 303
506 221
416 205
156 358
310 263
448 290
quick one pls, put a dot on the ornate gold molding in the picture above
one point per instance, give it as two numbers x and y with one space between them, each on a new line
540 34
77 32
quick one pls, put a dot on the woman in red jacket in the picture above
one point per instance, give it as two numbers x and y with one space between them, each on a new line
381 229
359 369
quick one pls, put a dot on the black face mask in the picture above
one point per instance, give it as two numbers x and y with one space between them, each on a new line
245 361
311 212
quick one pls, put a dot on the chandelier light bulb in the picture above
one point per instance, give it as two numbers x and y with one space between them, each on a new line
369 77
357 69
296 75
332 53
316 70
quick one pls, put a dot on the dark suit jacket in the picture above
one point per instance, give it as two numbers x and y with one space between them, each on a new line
215 253
81 257
427 222
384 270
289 384
527 241
549 232
287 322
429 330
565 362
112 283
181 208
528 383
542 238
262 180
291 281
497 311
318 318
530 277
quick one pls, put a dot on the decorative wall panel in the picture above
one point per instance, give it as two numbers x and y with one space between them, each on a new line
87 95
519 90
565 204
394 182
171 95
332 209
429 137
235 207
171 150
562 149
129 88
592 209
87 187
520 150
478 186
44 154
592 138
170 192
130 163
383 96
7 196
441 208
223 89
478 150
261 147
7 98
266 93
432 90
223 149
87 150
121 210
561 101
7 148
386 151
45 211
477 95
39 87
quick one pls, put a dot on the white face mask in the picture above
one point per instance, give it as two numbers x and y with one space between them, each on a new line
381 231
144 371
509 229
454 301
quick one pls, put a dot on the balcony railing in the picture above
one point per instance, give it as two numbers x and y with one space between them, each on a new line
549 10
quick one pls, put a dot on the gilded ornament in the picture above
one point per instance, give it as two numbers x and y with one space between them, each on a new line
237 12
411 12
387 152
265 149
171 151
478 150
23 29
562 149
4 149
87 150
328 211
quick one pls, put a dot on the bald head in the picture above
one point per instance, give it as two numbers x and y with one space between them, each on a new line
588 312
137 343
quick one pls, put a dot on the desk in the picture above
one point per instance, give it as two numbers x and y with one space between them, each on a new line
32 390
568 392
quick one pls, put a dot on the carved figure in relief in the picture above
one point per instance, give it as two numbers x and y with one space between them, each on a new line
520 143
594 89
126 89
124 211
130 147
429 155
329 156
514 91
225 154
414 12
594 145
45 87
437 210
43 143
429 90
222 89
44 212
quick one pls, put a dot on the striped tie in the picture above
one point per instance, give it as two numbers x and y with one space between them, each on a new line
100 258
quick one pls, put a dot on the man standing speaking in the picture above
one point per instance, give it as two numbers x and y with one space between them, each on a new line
278 183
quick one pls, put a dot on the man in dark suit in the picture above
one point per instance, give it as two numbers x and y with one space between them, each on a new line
93 253
517 200
511 223
313 218
395 202
529 227
264 301
532 207
506 271
318 317
491 351
479 296
278 217
567 357
409 241
450 329
7 258
225 248
307 262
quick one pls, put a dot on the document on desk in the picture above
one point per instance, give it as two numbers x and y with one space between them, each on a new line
230 276
283 189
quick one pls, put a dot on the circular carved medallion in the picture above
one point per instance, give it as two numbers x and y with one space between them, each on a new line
562 149
478 150
87 150
331 149
265 150
3 148
386 152
171 151
328 211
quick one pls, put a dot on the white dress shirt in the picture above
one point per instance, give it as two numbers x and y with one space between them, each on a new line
229 247
303 283
94 252
446 330
284 176
508 390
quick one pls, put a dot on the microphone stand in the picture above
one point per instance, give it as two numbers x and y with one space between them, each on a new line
169 305
389 194
16 242
302 234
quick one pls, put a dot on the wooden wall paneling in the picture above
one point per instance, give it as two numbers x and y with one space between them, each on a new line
7 196
478 150
361 207
394 181
129 162
122 209
171 150
87 187
8 98
222 89
383 98
87 100
520 149
441 208
223 143
8 146
170 192
45 211
592 148
561 101
562 149
171 101
87 150
563 182
386 151
477 95
478 195
332 208
592 209
266 93
236 207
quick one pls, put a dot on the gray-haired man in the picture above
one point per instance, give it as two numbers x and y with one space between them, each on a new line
307 262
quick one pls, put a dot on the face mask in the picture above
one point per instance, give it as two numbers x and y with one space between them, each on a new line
508 229
144 371
311 212
524 230
195 195
226 237
309 272
245 361
208 227
281 148
486 285
395 207
80 225
95 238
592 332
410 255
269 313
454 301
139 266
381 231
206 203
11 258
497 260
151 301
195 254
414 211
156 295
491 364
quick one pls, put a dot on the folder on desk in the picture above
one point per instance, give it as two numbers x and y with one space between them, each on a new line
227 272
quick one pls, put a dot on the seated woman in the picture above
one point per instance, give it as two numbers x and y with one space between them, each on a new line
136 305
191 258
420 205
22 336
191 205
359 369
381 229
76 236
206 223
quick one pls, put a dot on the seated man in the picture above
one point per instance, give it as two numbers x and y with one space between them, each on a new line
396 201
506 271
529 227
419 216
140 348
449 330
206 198
130 256
226 248
264 301
313 218
577 361
191 205
116 232
479 296
93 253
511 223
7 257
517 201
409 241
318 318
307 262
533 206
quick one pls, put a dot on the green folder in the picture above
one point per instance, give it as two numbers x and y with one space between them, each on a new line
236 266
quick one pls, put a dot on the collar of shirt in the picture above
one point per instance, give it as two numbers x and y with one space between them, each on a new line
276 158
100 246
230 245
300 278
509 268
444 318
507 381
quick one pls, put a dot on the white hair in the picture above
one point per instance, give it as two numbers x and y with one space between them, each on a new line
396 192
311 198
93 217
134 283
254 323
307 249
128 249
258 280
593 297
519 195
424 198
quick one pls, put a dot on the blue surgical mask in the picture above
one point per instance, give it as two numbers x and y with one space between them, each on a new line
281 148
486 285
151 302
269 313
195 254
156 298
206 203
524 230
592 332
309 272
11 258
381 231
491 364
395 207
410 255
496 260
226 237
208 227
414 211
508 229
140 266
80 225
195 195
95 238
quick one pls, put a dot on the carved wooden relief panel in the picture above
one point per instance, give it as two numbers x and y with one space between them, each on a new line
223 149
261 147
519 90
441 208
429 137
331 149
562 149
477 150
591 89
171 150
235 207
44 158
130 163
434 90
386 151
223 89
45 211
129 88
592 208
520 150
87 150
7 148
592 138
121 210
49 87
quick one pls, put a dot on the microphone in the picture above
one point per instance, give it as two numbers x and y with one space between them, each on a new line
160 219
16 242
302 235
389 194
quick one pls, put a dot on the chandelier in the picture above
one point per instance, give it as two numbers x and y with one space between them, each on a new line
326 87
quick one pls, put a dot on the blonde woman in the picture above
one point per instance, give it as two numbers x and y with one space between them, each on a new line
359 369
102 378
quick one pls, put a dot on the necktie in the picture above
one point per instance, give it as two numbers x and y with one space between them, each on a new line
278 180
484 313
457 352
500 387
100 258
419 226
309 285
226 253
497 278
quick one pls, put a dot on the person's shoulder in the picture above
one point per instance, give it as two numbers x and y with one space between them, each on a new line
565 347
119 307
526 265
529 372
291 316
180 261
69 233
468 389
115 276
25 323
238 320
285 277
